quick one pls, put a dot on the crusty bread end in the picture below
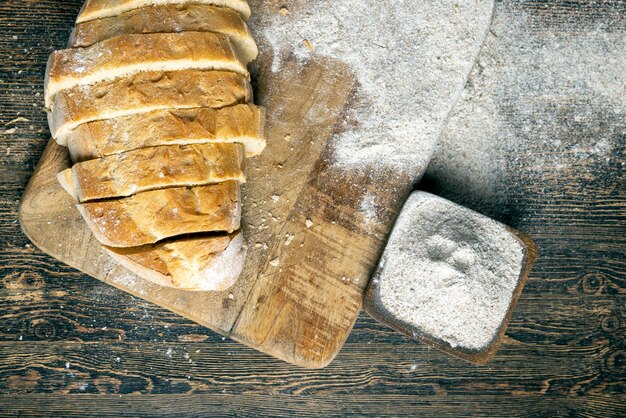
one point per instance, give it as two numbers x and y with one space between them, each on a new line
65 180
199 264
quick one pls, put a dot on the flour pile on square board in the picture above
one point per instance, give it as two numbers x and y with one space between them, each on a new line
450 276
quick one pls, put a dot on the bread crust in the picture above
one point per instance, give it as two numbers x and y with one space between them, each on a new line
170 18
197 264
98 9
125 174
125 55
145 92
152 216
244 124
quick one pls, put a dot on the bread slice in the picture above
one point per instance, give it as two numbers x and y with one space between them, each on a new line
164 18
154 168
125 55
244 124
98 9
143 93
196 264
149 217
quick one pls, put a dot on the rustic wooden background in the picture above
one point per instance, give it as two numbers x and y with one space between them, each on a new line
71 345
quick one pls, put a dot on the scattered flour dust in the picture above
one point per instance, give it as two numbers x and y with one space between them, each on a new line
368 208
449 272
411 60
546 97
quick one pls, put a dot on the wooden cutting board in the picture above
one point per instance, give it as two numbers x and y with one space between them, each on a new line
311 251
315 231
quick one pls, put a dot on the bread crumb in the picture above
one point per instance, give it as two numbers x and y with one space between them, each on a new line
287 138
16 120
283 11
288 240
275 198
231 296
10 131
308 223
308 44
275 262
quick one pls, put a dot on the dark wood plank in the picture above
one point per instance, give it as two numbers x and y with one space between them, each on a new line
564 354
229 405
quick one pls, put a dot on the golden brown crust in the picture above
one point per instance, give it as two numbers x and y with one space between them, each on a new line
197 264
170 18
149 217
125 55
154 168
145 92
98 9
243 124
141 86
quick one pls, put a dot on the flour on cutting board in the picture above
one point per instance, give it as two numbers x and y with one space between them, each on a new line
411 60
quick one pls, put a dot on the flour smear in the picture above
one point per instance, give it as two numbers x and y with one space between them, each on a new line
546 98
411 60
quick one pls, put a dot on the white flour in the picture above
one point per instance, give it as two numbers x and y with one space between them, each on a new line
449 272
543 99
411 60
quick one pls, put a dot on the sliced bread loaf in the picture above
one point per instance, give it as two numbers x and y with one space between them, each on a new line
144 92
98 9
244 124
154 168
164 18
193 264
149 217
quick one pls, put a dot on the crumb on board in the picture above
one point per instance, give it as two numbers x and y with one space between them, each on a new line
17 120
289 238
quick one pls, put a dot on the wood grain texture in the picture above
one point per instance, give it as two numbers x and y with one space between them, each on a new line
563 354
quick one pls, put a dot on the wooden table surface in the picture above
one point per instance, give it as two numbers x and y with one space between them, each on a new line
71 345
